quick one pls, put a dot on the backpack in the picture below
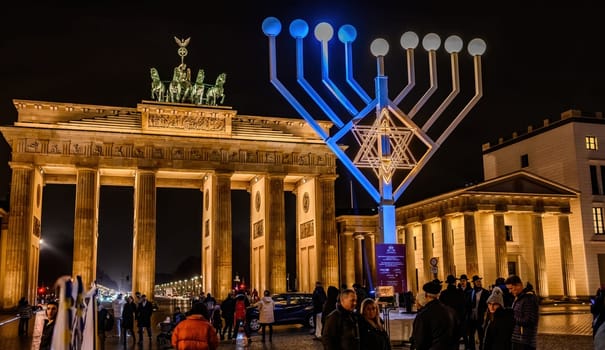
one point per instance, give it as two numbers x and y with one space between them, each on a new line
240 310
109 321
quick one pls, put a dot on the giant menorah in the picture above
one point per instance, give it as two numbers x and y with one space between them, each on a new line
390 142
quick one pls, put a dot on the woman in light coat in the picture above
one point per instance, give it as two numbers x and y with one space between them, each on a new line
265 314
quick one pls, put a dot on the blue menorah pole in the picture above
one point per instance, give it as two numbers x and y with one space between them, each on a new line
386 206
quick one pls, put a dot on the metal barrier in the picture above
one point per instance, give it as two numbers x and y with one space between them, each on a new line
7 321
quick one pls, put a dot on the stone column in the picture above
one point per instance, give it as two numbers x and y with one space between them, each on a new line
14 284
144 246
447 239
358 236
329 235
371 255
223 237
569 282
500 245
539 256
427 250
410 259
276 235
347 259
86 220
470 244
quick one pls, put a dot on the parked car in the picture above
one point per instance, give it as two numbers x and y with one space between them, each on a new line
290 308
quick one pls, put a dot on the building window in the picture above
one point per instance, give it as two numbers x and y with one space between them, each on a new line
597 220
512 268
591 143
508 230
594 182
524 161
414 243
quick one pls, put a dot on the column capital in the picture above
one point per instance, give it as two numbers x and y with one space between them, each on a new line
358 235
325 177
21 165
146 171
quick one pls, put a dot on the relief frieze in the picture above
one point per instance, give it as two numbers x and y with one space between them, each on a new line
77 149
176 152
213 122
307 229
33 146
97 149
158 153
258 228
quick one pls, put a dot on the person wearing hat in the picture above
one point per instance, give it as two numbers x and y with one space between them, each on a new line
476 308
464 285
435 322
499 323
454 298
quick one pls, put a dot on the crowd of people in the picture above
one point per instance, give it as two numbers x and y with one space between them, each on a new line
461 312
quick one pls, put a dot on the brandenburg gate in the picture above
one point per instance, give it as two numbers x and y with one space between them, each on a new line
171 145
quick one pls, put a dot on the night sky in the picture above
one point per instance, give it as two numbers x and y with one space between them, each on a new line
539 62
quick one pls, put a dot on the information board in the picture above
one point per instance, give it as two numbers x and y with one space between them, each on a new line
390 266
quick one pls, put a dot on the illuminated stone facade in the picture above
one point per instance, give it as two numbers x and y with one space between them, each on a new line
158 145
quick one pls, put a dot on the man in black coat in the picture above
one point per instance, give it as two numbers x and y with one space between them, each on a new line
476 308
144 311
454 298
435 326
228 309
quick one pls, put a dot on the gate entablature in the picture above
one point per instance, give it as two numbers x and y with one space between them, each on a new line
59 136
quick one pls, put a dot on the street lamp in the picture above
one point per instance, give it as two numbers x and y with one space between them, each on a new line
390 143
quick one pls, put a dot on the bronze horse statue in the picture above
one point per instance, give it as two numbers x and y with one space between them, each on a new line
158 89
217 91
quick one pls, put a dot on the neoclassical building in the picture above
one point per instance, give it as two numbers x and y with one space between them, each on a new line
538 214
160 144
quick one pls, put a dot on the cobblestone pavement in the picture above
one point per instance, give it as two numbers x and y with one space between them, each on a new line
561 328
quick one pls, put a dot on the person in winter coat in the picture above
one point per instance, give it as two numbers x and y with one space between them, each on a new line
265 314
25 311
195 332
144 311
372 334
129 312
435 325
498 323
526 312
228 309
341 329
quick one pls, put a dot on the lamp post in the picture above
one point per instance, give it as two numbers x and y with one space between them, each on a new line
393 146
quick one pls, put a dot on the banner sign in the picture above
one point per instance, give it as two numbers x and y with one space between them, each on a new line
390 266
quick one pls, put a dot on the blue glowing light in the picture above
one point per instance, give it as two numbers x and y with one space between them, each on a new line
271 26
299 29
347 34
